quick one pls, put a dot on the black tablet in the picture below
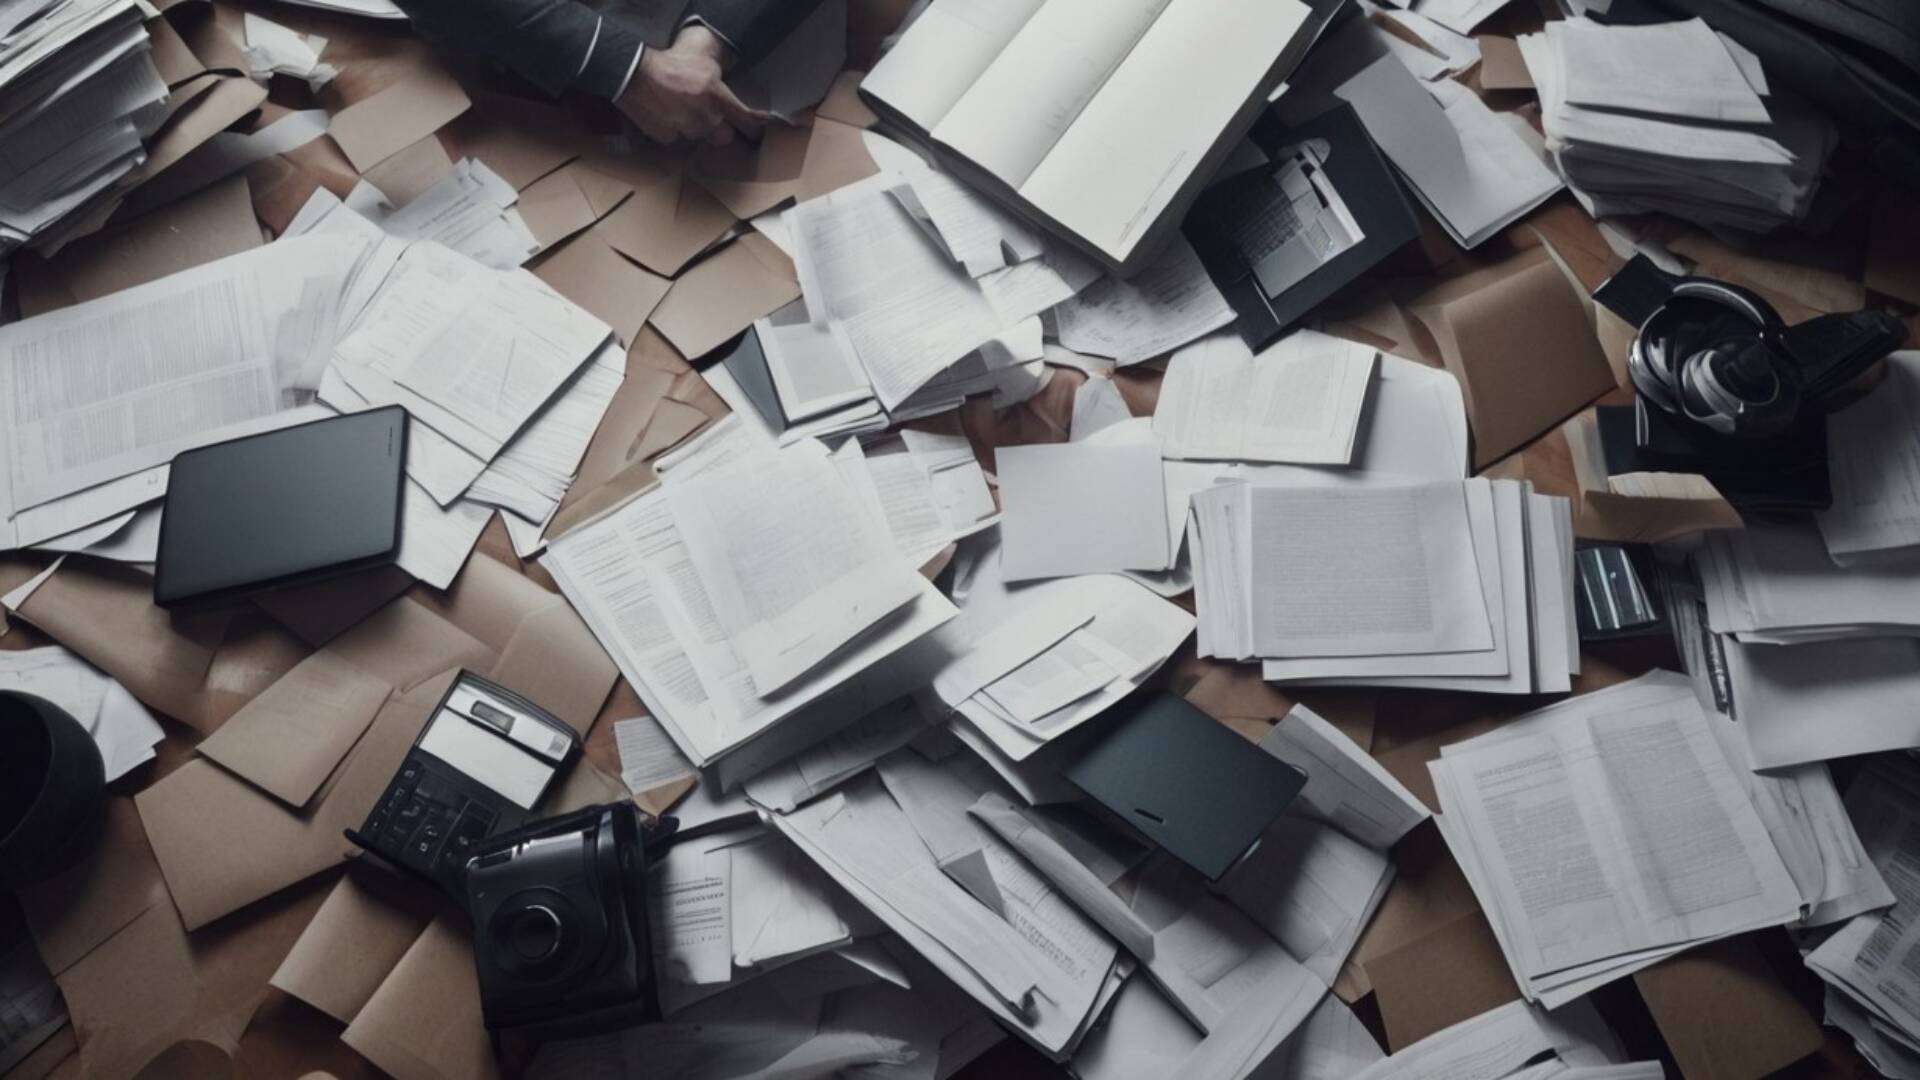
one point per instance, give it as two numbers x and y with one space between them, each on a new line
282 508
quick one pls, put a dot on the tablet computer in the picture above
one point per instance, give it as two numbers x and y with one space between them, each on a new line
282 508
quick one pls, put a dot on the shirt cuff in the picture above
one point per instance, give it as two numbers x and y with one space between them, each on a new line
712 29
611 59
631 68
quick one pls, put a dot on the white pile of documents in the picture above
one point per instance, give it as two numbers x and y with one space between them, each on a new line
1446 585
1869 964
1670 118
753 584
1606 833
1774 583
1873 457
79 94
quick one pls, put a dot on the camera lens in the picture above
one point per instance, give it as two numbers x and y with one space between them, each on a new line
535 933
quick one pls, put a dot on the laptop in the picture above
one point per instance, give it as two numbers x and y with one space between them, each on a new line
282 508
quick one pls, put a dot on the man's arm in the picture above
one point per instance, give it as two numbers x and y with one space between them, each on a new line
753 27
558 45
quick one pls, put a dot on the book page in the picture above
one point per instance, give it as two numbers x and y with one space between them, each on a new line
1037 87
943 53
1126 156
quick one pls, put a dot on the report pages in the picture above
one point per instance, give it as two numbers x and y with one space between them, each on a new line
1100 119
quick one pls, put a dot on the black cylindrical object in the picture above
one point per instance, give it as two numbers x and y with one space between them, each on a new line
52 790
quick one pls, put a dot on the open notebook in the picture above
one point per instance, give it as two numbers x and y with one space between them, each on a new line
1098 119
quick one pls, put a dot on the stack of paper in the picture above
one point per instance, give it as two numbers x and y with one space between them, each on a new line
78 95
1457 585
1870 963
1669 118
102 395
749 585
1774 583
903 295
1299 401
1873 456
1030 662
1607 832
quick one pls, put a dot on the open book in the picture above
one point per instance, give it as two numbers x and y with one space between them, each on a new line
1098 119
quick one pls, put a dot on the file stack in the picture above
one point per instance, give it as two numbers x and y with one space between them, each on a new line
1670 118
1870 964
78 95
1606 833
1461 585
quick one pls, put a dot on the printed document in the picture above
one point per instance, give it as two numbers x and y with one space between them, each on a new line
1299 401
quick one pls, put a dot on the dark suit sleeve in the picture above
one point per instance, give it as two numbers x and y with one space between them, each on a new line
546 42
752 27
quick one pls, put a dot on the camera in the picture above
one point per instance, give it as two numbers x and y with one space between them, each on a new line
561 939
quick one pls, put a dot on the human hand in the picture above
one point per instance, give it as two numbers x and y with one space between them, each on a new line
680 92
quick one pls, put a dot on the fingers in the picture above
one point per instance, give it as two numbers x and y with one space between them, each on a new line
737 113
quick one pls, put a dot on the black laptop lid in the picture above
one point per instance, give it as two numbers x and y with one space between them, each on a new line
1187 782
282 508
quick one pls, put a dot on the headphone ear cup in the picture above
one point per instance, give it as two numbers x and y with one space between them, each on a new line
1739 390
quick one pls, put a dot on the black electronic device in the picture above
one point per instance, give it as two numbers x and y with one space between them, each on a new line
1184 781
281 508
560 933
1260 232
1729 391
482 763
1616 591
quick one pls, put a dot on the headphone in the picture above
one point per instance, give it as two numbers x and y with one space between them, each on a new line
1714 354
1720 356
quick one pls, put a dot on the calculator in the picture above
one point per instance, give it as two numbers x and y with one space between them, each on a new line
486 757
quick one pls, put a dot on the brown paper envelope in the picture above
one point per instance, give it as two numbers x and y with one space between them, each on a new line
171 55
405 644
73 913
410 172
288 740
488 601
367 923
663 226
555 208
1501 65
373 130
217 38
152 985
1724 1014
1601 514
722 295
223 843
619 292
324 610
210 105
1463 957
842 103
210 224
555 661
604 193
1517 339
750 179
836 156
520 140
110 619
424 1022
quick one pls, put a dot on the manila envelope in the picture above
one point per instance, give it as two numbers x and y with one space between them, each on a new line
1517 338
1463 956
1501 65
72 914
198 110
1724 1014
374 129
362 930
724 293
666 224
520 140
616 290
153 986
424 1020
750 179
290 739
210 224
557 206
